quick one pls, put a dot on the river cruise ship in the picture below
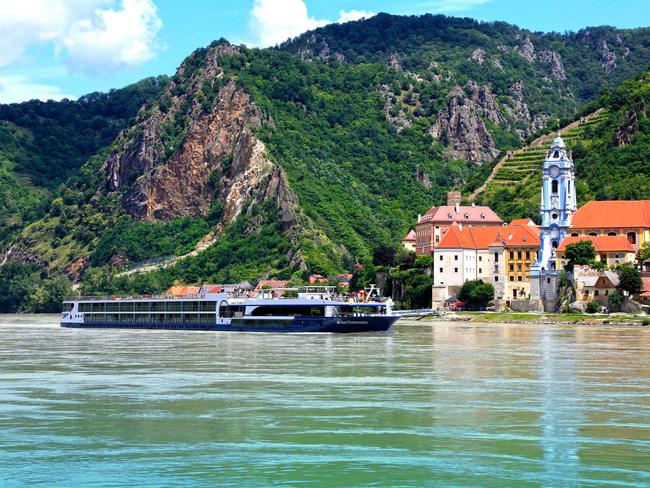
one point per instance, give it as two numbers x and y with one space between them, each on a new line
312 309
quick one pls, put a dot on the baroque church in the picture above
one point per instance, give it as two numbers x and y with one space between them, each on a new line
557 206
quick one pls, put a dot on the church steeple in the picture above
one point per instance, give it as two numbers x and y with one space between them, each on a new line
557 203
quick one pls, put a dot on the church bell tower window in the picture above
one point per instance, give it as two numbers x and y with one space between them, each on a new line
554 186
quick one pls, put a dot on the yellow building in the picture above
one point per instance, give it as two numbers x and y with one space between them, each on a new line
610 250
629 219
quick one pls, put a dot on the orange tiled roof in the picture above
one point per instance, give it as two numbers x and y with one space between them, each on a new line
410 236
612 214
522 222
180 291
271 284
646 284
601 243
484 237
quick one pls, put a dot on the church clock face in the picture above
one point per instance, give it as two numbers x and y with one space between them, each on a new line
554 171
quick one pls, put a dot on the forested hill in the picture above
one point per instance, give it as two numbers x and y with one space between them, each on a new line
611 153
285 161
42 144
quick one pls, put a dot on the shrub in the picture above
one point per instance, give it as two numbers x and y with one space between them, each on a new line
593 307
615 301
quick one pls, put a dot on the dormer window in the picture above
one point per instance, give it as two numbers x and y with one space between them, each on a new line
449 215
467 216
483 216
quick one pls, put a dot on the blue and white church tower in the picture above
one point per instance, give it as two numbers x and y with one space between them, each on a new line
556 208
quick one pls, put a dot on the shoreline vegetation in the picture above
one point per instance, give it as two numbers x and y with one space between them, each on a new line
543 318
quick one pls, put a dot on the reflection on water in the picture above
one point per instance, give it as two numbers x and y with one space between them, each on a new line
447 404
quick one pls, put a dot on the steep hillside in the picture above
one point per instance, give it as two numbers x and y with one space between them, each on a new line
302 158
44 143
611 152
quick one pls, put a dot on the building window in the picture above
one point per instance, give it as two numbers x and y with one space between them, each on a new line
441 270
441 257
480 258
437 238
556 154
496 278
606 292
496 257
596 293
480 271
512 255
512 267
455 257
631 237
519 278
455 270
554 186
612 234
548 281
593 234
518 254
527 254
519 267
574 234
512 278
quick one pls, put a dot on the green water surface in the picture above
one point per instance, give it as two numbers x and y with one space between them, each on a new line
426 405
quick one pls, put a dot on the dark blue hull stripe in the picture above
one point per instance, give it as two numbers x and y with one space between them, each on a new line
325 324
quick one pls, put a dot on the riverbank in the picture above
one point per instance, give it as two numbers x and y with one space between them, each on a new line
544 318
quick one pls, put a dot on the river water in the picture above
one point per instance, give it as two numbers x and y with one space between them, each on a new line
445 404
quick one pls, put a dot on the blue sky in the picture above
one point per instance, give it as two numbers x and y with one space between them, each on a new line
59 48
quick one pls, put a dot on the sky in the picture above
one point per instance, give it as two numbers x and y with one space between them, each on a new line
54 49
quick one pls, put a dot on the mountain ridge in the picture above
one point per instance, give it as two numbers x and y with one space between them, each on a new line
291 161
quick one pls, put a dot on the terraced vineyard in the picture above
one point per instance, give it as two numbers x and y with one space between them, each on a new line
512 189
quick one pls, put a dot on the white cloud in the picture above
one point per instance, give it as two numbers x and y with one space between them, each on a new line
114 38
95 36
274 21
354 15
18 88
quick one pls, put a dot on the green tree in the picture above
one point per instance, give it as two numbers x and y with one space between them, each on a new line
593 307
48 295
629 279
582 252
476 294
644 252
615 301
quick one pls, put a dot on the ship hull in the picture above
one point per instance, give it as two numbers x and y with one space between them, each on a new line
298 324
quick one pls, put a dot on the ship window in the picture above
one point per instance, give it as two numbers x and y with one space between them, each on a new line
126 306
174 306
208 306
142 306
554 186
295 311
157 306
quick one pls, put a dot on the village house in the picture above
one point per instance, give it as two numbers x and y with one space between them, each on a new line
610 250
591 284
501 256
630 219
408 242
433 225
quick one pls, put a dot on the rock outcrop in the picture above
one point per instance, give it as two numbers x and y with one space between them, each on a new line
218 141
552 61
478 55
625 132
461 127
607 58
525 48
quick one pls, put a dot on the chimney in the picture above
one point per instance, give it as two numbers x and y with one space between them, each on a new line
419 218
453 198
457 208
